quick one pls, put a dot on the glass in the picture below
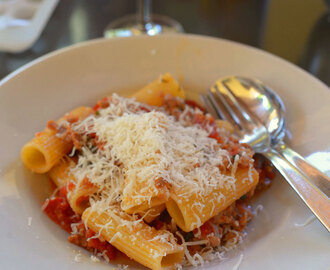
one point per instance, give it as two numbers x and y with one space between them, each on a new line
143 22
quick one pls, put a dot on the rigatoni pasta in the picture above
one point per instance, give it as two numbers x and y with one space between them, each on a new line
191 212
78 193
152 176
44 151
47 148
153 93
153 248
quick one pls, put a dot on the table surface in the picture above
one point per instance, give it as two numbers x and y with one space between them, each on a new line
298 31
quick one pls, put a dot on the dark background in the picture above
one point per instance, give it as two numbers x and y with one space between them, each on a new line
296 30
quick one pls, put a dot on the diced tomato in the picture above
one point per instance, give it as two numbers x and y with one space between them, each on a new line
206 229
104 102
51 124
71 118
96 107
101 104
82 238
59 211
210 119
101 246
143 108
100 145
198 118
63 192
194 104
234 150
71 185
89 233
215 135
234 140
93 135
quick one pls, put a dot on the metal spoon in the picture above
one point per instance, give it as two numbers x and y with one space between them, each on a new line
265 104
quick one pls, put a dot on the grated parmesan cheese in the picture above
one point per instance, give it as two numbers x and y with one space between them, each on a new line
306 222
77 257
236 266
117 235
95 259
29 222
148 146
122 266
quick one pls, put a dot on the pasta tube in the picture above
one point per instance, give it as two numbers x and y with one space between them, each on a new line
78 193
46 149
143 197
79 196
190 212
153 93
142 243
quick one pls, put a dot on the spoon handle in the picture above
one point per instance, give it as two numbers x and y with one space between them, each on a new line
315 199
319 179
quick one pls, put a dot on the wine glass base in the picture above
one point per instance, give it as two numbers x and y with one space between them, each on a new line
128 26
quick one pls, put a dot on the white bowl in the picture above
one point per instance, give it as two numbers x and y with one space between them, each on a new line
52 85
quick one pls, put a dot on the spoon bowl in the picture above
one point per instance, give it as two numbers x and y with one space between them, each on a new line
261 101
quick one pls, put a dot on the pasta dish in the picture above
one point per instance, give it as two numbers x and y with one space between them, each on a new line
152 176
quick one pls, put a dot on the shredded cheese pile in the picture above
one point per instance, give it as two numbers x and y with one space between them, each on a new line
138 147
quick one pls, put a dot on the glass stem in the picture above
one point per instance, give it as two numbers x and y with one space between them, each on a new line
144 12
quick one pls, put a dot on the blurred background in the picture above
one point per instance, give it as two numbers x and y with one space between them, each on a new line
296 30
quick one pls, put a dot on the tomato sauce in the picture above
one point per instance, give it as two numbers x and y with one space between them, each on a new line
58 210
194 104
101 246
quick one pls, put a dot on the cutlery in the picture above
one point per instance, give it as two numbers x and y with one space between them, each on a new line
257 114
